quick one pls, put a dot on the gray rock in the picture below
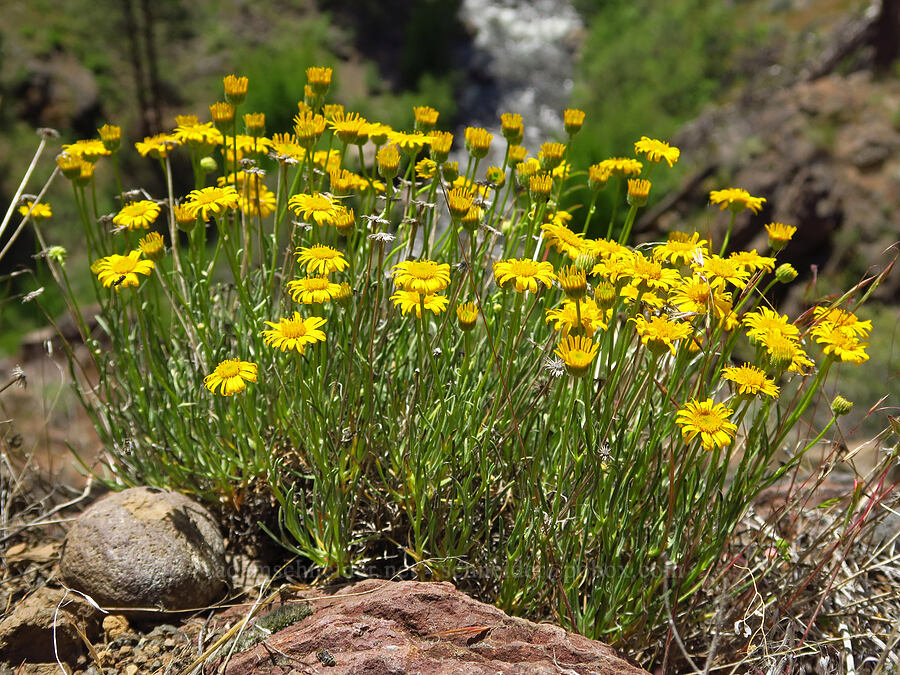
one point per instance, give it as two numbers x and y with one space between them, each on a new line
26 634
145 548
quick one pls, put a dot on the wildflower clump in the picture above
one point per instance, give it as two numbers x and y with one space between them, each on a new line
409 310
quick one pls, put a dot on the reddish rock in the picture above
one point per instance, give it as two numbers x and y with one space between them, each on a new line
379 627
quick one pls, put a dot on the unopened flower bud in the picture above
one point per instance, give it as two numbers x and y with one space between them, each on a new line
785 273
208 164
841 406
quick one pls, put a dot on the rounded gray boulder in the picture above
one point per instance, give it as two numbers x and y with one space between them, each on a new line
145 548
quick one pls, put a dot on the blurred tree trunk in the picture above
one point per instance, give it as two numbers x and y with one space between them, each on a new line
886 35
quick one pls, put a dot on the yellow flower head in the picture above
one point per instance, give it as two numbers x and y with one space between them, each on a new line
409 301
648 273
517 153
752 261
222 114
511 124
478 142
36 212
598 176
551 155
294 333
661 333
540 185
313 290
840 318
344 221
441 142
152 245
255 124
425 169
785 353
285 148
378 132
231 377
426 118
157 146
459 201
525 273
320 259
70 165
779 235
707 420
190 130
319 79
235 89
308 128
467 315
257 200
638 191
577 353
90 150
111 136
681 247
349 127
411 144
657 151
120 271
212 200
565 240
750 380
496 176
388 159
841 343
719 271
573 281
765 322
565 318
422 276
621 167
573 119
317 207
137 215
736 200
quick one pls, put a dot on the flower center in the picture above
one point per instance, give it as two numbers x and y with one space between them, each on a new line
319 204
420 269
316 283
123 265
707 421
229 369
523 268
293 329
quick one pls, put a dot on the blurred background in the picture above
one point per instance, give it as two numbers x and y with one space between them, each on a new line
794 100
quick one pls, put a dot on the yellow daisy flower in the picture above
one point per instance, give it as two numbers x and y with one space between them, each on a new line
657 151
189 129
682 247
137 215
841 343
565 318
120 271
212 200
779 235
39 211
750 380
320 259
620 167
527 274
719 271
90 150
294 333
765 322
467 315
259 200
660 333
648 273
843 319
157 146
736 200
752 261
577 353
565 240
408 301
421 276
231 377
312 290
707 420
152 245
318 207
